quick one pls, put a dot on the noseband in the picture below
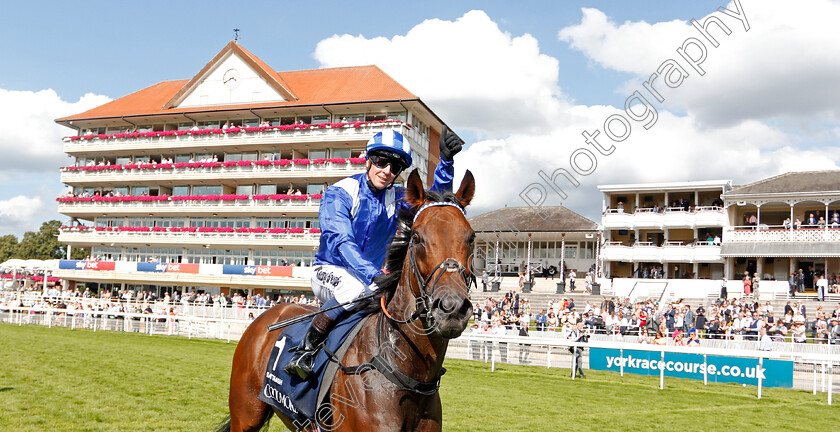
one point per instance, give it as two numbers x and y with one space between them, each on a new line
448 265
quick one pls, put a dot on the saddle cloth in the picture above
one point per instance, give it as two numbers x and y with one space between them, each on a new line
296 398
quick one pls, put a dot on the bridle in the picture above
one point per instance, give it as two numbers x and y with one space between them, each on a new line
422 295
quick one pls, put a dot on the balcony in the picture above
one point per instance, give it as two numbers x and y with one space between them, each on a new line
173 236
185 171
223 205
615 251
774 234
669 252
617 219
671 217
647 252
186 140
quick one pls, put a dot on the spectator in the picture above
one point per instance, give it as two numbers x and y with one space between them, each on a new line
577 335
524 349
765 343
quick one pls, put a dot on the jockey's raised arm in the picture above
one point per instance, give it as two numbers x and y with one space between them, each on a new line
358 218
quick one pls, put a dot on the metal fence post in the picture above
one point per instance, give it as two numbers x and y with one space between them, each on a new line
662 371
822 380
758 373
620 361
705 370
493 357
548 357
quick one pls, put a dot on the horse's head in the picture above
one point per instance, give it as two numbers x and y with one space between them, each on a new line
440 255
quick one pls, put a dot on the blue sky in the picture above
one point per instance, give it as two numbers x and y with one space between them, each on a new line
768 92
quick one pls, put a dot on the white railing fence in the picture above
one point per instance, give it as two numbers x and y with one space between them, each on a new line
811 371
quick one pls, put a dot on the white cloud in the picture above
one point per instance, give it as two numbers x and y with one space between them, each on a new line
471 72
784 68
31 140
724 133
677 148
20 213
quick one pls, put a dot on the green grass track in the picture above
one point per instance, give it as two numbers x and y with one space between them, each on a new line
77 380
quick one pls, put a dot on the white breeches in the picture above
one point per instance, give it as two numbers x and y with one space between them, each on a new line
330 281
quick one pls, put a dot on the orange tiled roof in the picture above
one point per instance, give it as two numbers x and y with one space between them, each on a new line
310 87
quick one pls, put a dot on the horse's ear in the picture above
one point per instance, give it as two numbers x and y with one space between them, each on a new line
467 190
414 192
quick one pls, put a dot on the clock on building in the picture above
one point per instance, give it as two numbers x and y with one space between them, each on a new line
231 78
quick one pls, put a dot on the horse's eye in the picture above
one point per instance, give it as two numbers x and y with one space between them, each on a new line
471 240
416 239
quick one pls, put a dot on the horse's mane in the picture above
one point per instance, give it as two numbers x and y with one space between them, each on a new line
398 249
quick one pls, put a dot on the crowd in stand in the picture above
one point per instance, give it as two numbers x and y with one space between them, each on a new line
676 323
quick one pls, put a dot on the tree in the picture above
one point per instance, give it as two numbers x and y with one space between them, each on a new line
76 253
8 247
42 244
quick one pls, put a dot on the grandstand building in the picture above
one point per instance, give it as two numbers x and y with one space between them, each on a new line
670 228
711 229
213 183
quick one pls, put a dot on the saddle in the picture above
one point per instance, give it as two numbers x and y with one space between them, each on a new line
296 398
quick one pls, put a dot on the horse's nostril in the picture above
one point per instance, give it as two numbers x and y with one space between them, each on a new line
466 309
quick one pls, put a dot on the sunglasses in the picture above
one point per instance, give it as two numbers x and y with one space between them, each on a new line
381 162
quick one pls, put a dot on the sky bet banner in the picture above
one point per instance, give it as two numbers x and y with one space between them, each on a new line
774 373
86 265
167 267
259 270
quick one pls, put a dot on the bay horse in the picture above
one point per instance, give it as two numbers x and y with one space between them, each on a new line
424 303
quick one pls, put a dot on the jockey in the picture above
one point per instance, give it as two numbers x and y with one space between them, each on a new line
358 218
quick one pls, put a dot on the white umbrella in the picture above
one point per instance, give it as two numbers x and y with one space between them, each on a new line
13 263
33 264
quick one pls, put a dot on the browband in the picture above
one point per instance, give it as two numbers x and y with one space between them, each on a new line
436 204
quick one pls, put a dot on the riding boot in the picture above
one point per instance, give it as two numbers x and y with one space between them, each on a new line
301 363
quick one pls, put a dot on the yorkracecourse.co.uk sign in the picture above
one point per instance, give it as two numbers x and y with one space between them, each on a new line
721 369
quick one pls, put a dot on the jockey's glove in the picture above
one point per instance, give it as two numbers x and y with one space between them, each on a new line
450 144
378 282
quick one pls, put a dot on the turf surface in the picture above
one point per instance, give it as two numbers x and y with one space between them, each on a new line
77 380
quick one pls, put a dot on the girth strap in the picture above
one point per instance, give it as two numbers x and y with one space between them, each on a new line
379 363
401 380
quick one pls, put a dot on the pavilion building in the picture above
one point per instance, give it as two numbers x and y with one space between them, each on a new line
712 229
554 234
783 224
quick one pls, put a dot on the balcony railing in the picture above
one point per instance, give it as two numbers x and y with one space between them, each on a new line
778 234
245 134
671 217
69 233
166 201
214 168
700 251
